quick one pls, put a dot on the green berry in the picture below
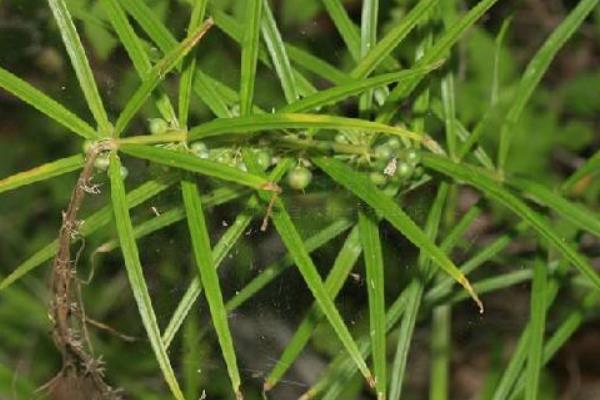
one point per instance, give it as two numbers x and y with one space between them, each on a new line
384 152
299 178
404 170
341 138
378 178
101 162
199 149
263 159
394 143
412 157
158 126
124 172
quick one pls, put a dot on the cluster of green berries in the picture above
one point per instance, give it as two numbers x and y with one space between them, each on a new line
394 164
102 161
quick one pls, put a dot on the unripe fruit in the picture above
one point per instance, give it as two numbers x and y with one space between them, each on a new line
158 126
341 138
394 143
299 178
412 157
124 172
263 159
383 152
378 178
404 170
199 149
101 162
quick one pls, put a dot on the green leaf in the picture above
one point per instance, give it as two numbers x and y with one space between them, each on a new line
189 64
135 49
339 93
377 53
278 53
538 325
578 214
482 181
221 249
205 86
149 22
32 96
210 280
80 64
414 296
363 188
293 242
342 266
368 39
136 274
157 74
368 227
536 69
94 222
317 66
250 45
263 122
589 168
190 162
42 173
345 26
438 51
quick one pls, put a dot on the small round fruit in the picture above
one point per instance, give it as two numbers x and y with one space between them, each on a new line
124 172
394 143
378 178
263 159
101 162
299 178
158 126
384 152
412 157
404 170
199 149
341 138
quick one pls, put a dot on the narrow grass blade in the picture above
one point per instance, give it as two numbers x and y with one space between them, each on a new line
578 214
221 249
368 39
439 387
316 65
190 162
368 227
189 64
94 222
439 50
342 369
566 329
250 45
136 274
210 280
41 173
376 54
590 168
344 25
414 296
293 242
32 96
482 181
363 188
211 96
448 100
269 273
157 74
263 122
80 64
536 69
342 266
278 53
538 325
301 57
150 23
135 49
342 92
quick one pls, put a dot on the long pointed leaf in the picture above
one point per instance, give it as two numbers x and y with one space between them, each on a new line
136 275
41 173
250 45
